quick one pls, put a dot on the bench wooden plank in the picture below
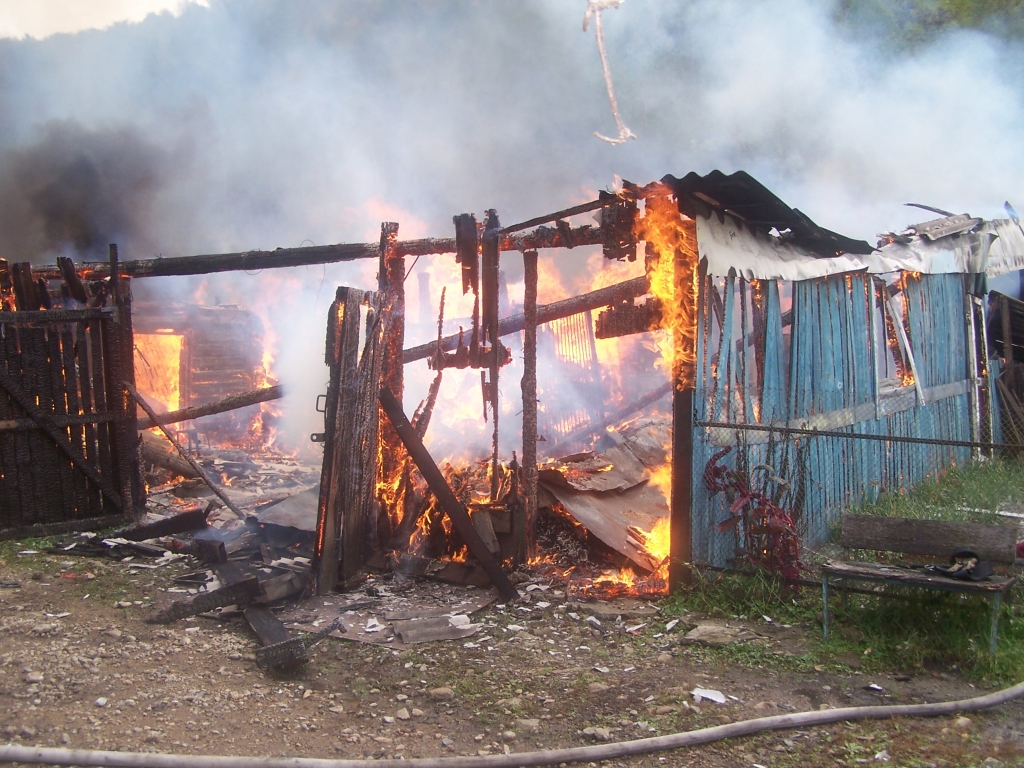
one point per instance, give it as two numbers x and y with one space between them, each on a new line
937 538
913 577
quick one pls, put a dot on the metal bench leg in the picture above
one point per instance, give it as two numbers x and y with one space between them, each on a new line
824 605
997 604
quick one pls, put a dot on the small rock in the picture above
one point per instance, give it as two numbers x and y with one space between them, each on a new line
114 633
448 743
508 735
307 693
598 687
963 722
529 725
442 694
337 709
416 712
402 714
100 702
124 604
65 739
388 719
851 634
991 762
45 629
28 731
664 658
664 710
852 660
34 677
598 734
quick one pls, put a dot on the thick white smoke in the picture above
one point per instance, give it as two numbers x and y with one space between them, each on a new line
275 124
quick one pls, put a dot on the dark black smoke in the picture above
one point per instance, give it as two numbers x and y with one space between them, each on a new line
73 190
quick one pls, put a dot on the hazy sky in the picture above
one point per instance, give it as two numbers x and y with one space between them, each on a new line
237 124
42 18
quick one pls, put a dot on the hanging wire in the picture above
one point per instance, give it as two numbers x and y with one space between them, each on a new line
594 8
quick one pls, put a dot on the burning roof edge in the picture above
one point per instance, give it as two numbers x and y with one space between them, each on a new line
736 214
743 197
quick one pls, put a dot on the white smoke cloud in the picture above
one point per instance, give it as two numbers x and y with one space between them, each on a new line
42 18
278 123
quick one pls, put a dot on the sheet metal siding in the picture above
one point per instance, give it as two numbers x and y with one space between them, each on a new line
830 365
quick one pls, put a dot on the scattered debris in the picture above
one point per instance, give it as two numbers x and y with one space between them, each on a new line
699 694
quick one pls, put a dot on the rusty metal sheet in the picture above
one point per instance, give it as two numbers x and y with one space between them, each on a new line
298 511
610 515
643 449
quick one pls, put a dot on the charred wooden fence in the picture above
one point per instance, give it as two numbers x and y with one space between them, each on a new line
822 394
68 445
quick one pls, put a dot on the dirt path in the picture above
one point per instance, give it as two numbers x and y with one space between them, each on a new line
79 667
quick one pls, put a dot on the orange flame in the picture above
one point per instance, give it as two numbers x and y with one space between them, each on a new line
672 270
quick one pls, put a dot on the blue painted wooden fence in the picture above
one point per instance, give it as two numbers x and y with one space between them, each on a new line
832 353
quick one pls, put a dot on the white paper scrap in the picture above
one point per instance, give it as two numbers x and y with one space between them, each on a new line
707 693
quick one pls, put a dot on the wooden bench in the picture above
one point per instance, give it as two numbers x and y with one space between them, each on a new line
931 538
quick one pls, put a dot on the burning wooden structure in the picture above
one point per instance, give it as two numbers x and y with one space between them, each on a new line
188 355
802 367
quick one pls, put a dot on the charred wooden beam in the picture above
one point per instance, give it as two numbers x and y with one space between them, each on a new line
76 288
443 492
545 314
280 650
282 258
184 454
26 291
392 287
489 262
56 315
181 523
232 403
525 524
623 318
239 593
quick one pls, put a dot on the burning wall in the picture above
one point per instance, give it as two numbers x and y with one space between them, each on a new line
188 355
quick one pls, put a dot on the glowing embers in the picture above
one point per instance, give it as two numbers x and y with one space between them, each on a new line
158 368
573 557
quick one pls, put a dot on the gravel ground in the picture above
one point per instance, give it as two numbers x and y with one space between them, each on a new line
80 668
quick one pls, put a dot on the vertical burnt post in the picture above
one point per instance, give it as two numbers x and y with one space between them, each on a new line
342 358
132 440
489 315
118 360
391 279
526 523
685 279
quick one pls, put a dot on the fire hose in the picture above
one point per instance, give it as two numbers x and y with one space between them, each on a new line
59 756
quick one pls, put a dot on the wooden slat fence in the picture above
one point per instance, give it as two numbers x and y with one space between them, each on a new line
837 354
68 445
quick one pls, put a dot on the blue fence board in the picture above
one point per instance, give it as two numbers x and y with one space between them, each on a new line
828 372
